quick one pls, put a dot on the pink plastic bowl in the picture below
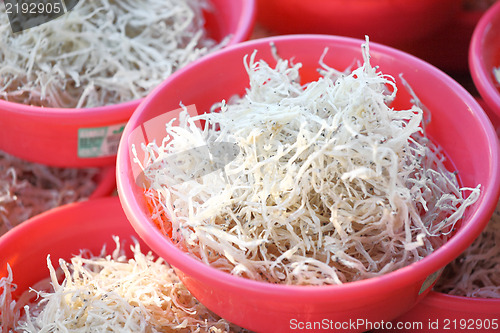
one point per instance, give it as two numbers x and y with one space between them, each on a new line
51 135
458 124
385 21
484 55
62 233
448 48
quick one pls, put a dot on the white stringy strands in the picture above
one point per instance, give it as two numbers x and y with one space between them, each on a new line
28 189
475 273
331 184
114 293
8 313
102 52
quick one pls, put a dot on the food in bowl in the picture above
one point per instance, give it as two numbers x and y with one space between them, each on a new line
103 52
330 185
28 189
110 291
475 273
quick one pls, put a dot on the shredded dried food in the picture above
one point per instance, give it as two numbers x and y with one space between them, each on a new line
28 189
331 184
112 293
102 52
475 273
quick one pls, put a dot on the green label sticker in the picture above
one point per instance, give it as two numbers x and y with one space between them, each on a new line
99 141
429 281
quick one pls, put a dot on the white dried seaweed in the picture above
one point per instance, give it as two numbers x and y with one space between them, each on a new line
477 5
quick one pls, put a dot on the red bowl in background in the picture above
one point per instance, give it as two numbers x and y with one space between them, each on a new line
386 21
494 117
448 48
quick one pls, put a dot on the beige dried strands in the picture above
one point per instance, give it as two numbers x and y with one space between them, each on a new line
115 293
331 184
476 272
102 52
28 189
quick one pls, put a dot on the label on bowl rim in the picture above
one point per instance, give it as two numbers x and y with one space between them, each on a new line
99 141
429 281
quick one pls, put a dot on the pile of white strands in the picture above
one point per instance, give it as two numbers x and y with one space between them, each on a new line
102 52
109 293
475 273
28 189
331 184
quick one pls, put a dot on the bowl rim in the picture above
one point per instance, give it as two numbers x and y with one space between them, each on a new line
43 217
455 302
244 28
407 275
480 75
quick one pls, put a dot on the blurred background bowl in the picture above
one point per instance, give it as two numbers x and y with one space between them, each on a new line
385 21
484 55
51 135
459 125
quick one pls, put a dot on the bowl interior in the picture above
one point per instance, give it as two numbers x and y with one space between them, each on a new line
458 125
